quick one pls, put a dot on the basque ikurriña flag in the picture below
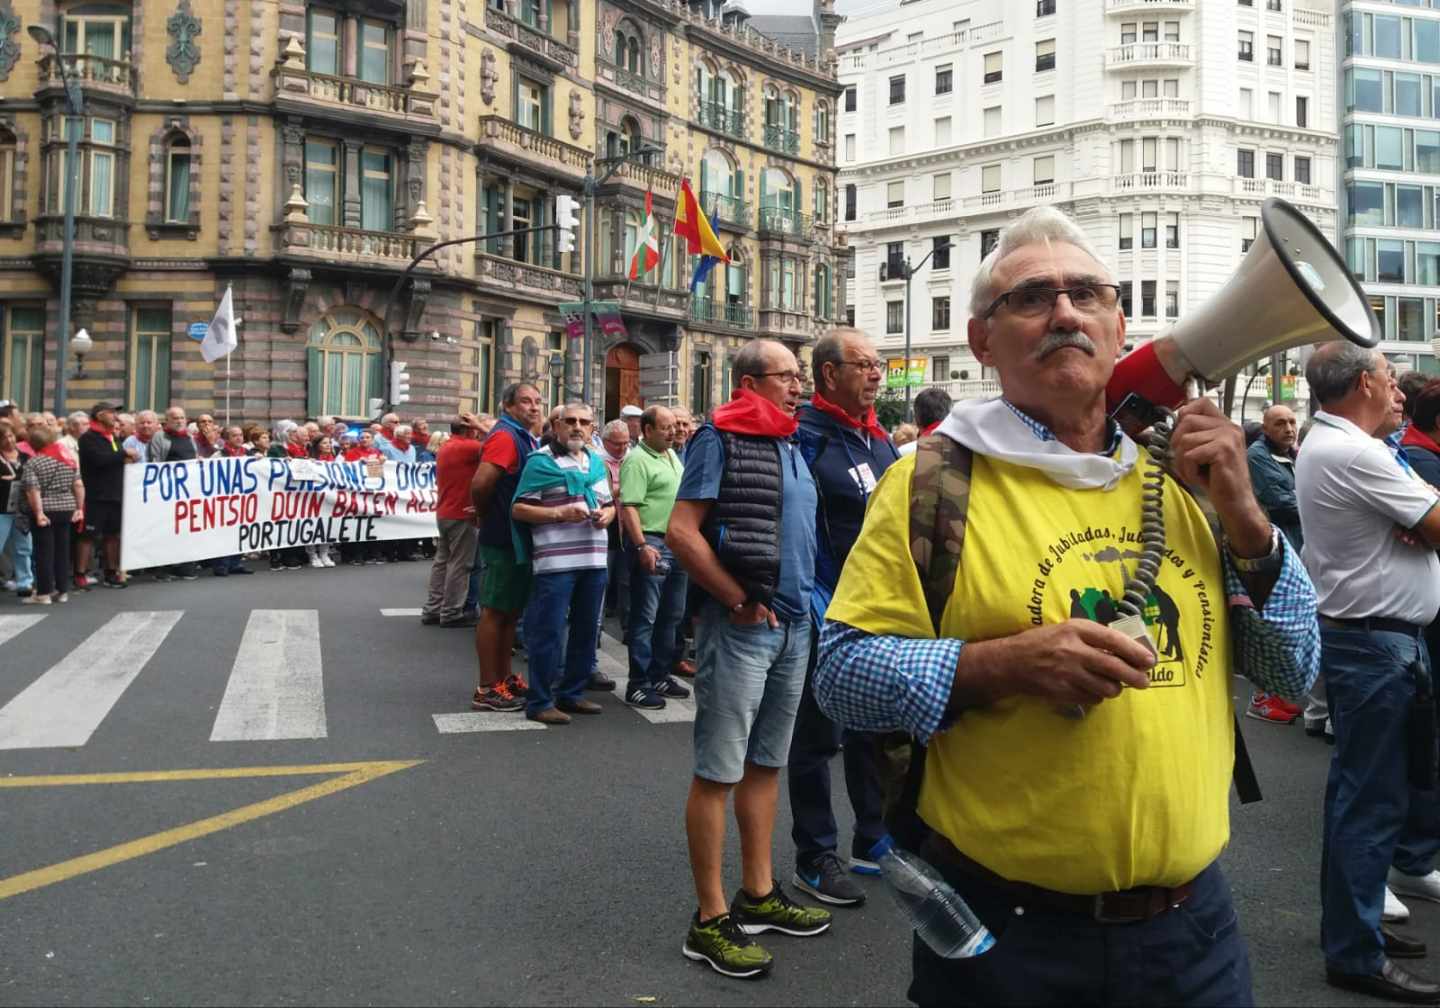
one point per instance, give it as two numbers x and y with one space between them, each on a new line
690 224
647 246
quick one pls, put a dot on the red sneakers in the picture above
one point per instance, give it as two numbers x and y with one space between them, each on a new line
1269 707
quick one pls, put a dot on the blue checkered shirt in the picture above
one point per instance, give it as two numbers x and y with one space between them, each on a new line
878 682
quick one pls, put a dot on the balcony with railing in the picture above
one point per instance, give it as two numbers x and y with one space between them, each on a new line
400 106
1148 108
1148 6
728 210
1262 187
1148 54
1150 179
782 138
106 75
522 279
984 388
532 41
629 81
983 203
643 177
336 244
792 324
501 136
717 312
778 222
723 118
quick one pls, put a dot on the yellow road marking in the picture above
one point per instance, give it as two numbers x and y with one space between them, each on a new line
352 774
223 773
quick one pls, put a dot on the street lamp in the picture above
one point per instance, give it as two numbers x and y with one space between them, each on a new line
557 375
588 282
75 108
910 271
80 345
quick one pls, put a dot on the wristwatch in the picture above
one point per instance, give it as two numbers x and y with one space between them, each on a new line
1267 564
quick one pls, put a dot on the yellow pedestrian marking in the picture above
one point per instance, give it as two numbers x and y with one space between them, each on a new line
350 775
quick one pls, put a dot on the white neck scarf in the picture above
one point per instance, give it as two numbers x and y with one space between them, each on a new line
990 427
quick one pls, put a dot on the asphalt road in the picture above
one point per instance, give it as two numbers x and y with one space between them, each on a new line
538 866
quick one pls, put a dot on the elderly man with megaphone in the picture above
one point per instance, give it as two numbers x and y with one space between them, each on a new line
1052 614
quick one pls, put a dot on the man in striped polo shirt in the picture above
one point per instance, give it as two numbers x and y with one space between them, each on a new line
562 508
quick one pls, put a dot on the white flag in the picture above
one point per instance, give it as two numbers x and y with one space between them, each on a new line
221 338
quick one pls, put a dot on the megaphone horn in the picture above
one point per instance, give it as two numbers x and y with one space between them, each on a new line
1291 289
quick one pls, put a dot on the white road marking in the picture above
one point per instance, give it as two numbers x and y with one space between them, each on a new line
674 711
13 625
399 612
276 689
66 704
483 721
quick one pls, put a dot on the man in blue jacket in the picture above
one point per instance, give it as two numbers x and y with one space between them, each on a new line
847 450
1272 473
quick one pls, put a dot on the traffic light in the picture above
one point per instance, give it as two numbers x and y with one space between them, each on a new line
399 383
376 405
566 219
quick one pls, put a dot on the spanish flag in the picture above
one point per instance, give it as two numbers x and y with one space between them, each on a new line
690 224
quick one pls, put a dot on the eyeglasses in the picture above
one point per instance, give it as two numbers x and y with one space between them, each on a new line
788 377
1035 302
865 365
576 421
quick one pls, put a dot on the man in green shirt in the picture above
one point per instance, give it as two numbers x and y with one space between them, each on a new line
649 479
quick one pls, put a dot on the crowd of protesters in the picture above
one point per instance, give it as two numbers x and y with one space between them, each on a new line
62 489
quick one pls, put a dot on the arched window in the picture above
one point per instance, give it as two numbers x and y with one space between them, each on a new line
344 366
715 173
822 122
612 144
630 136
177 179
779 201
737 280
634 62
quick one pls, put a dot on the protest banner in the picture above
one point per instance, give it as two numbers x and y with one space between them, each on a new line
176 512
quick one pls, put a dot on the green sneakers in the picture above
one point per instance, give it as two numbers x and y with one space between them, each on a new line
729 950
776 912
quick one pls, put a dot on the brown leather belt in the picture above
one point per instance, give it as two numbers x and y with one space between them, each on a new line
1125 906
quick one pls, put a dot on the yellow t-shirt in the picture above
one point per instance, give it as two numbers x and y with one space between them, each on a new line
1136 793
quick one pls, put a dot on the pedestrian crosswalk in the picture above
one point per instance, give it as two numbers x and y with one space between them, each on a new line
275 688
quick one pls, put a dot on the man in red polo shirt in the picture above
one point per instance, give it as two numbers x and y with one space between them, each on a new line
455 467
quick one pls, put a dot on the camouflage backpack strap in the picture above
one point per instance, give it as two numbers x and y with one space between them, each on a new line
939 501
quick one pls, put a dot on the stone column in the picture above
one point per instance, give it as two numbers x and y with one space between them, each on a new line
507 208
350 153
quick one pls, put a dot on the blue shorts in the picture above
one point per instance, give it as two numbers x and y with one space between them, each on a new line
748 684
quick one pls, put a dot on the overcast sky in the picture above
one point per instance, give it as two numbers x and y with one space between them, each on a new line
806 6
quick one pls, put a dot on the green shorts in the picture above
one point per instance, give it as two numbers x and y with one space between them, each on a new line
506 584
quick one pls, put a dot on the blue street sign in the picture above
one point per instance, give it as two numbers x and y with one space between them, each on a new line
199 330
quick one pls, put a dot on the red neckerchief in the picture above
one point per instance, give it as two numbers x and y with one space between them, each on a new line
1413 436
179 435
57 451
359 454
748 412
325 456
868 423
400 443
931 428
233 451
144 438
296 451
99 428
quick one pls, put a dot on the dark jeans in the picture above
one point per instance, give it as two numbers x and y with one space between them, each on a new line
657 603
1373 818
1191 955
560 661
52 553
817 739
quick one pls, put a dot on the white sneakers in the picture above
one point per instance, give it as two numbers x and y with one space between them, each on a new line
325 560
1426 887
1395 912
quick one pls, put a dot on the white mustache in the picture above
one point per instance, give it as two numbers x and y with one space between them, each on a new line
1056 340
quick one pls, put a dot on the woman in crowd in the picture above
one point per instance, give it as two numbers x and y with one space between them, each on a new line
56 499
259 439
14 526
325 449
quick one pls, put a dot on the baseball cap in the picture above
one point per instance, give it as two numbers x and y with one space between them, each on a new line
101 407
631 410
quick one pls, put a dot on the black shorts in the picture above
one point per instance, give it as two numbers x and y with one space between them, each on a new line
102 518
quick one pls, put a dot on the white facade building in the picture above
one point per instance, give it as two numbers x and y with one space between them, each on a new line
1160 125
1391 96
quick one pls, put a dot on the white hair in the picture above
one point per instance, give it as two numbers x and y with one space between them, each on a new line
402 430
283 428
1041 224
615 427
78 417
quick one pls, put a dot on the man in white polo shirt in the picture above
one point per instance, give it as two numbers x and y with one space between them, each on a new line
1370 535
562 508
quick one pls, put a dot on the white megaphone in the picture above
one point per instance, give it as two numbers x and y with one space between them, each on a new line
1291 289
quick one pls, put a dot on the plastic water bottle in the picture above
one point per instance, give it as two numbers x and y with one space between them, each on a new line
936 911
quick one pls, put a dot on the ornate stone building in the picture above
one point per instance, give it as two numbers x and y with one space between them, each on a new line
302 154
